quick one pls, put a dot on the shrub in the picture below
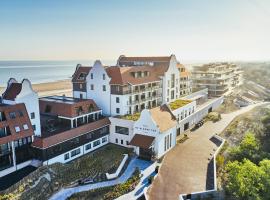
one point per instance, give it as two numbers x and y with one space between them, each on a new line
213 116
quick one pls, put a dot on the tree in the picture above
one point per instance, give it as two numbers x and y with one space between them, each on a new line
244 180
249 148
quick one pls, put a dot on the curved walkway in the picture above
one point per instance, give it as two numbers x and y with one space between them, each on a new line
184 168
67 192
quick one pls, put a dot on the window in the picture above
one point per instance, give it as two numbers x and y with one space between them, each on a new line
48 108
103 76
122 141
32 115
104 88
20 113
12 115
92 87
121 130
117 100
25 127
66 156
117 110
88 146
75 152
127 143
104 139
34 127
116 141
17 129
80 86
91 75
96 143
81 96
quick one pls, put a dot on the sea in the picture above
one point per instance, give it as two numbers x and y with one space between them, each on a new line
38 71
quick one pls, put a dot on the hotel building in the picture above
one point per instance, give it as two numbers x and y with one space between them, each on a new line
134 84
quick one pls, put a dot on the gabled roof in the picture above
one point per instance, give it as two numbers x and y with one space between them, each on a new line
163 117
79 70
161 63
12 91
123 75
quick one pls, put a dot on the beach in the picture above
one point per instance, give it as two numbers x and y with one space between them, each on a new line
51 88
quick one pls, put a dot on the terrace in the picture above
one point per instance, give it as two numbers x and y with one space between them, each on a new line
179 103
133 117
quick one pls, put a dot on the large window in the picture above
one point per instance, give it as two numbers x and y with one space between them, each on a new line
96 143
121 130
75 152
104 139
88 146
66 156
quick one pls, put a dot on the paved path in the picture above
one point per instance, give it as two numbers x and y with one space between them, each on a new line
184 168
67 192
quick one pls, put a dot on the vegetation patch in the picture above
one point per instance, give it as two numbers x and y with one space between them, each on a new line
133 117
110 193
244 165
46 180
213 116
179 103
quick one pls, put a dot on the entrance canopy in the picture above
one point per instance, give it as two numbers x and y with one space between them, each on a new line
142 141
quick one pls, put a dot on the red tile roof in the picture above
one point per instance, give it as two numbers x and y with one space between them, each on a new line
78 72
47 142
17 121
61 108
12 91
143 141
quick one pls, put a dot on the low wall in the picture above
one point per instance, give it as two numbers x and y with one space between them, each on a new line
115 175
208 193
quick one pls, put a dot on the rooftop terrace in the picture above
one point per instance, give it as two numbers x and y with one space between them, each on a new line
179 103
133 117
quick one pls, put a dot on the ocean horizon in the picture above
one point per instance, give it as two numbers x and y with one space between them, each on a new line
39 71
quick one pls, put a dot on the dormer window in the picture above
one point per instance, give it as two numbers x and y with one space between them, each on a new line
12 115
82 76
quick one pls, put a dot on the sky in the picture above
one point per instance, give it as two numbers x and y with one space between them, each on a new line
193 30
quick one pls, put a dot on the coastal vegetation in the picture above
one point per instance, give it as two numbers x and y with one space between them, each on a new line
46 180
244 165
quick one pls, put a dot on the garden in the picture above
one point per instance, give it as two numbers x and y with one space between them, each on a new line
110 193
47 180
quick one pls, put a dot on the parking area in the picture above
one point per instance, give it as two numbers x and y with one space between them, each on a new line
186 167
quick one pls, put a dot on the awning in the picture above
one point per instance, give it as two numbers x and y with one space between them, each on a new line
142 141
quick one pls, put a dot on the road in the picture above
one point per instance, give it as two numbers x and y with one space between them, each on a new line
184 168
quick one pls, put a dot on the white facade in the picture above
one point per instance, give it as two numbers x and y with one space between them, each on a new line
81 149
147 126
171 82
98 87
121 106
79 94
120 138
30 98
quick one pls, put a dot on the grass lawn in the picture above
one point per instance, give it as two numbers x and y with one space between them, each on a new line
50 179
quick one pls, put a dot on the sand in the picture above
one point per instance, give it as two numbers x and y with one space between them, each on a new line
51 88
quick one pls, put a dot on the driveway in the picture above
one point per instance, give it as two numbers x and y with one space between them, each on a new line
185 168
